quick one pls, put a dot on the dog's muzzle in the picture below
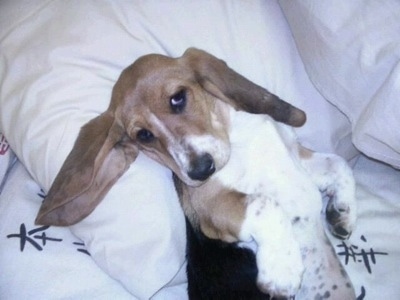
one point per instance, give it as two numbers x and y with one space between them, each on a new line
202 167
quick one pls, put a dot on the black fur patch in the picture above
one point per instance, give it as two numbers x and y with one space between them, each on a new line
219 270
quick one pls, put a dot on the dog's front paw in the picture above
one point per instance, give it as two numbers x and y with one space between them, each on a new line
279 274
341 216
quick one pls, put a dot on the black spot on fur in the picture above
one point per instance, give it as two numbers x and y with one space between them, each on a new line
295 220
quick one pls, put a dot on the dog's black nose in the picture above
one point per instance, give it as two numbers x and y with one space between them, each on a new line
202 167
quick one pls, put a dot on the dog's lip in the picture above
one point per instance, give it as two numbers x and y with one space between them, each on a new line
201 181
194 183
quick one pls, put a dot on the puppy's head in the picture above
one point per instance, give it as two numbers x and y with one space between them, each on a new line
175 111
171 118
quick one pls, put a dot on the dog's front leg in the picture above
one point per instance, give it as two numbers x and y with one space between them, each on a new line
279 261
335 180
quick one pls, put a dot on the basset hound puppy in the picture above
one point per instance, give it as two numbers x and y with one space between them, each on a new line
252 195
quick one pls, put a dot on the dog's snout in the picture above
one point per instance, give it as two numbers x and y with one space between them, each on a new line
202 167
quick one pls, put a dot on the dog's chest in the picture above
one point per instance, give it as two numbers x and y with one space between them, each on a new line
264 160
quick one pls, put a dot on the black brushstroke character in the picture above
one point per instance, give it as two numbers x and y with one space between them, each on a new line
82 250
41 194
33 237
363 294
358 254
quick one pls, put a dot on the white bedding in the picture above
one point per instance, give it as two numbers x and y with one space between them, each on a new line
52 263
58 63
351 51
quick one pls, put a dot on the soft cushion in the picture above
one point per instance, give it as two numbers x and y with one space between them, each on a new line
59 61
351 51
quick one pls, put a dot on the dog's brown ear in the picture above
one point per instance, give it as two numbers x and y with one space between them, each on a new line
101 154
217 78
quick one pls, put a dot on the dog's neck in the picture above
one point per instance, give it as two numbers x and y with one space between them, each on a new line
265 160
258 143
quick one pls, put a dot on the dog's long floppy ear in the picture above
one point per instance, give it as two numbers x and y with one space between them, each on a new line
217 78
101 154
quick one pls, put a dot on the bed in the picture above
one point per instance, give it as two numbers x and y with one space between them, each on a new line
338 61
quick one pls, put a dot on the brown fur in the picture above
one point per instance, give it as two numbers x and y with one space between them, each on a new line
228 209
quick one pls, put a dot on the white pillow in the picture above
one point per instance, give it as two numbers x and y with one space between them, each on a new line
41 263
60 60
351 51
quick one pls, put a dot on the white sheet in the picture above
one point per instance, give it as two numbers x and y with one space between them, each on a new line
51 263
351 51
373 251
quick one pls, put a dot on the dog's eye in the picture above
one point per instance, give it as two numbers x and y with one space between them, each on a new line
178 101
145 136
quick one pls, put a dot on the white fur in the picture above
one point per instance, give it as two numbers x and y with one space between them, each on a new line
284 202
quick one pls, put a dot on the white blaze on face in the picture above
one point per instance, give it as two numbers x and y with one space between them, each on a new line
202 144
